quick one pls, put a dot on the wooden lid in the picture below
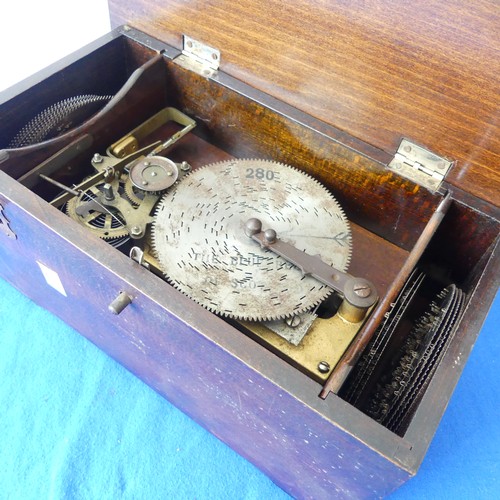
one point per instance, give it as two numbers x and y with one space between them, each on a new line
378 70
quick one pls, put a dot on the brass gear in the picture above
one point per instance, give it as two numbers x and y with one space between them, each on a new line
109 226
134 194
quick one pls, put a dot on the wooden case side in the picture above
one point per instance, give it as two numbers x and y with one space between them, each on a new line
212 372
131 75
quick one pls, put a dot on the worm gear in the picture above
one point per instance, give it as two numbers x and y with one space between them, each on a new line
199 238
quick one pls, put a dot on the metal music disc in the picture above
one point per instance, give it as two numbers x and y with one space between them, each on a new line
199 238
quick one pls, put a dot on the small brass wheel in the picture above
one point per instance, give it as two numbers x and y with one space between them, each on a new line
154 174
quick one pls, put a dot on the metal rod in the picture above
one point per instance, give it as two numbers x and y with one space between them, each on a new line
351 356
172 140
69 190
57 161
74 192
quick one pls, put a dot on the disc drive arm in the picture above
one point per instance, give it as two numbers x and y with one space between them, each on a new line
359 294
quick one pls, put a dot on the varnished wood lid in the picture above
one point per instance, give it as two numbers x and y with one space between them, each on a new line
377 69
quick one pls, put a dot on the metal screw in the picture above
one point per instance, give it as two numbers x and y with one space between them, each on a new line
407 148
294 321
185 166
441 164
135 231
323 367
396 166
362 290
97 158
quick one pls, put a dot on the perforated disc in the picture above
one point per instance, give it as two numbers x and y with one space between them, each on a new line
199 239
58 118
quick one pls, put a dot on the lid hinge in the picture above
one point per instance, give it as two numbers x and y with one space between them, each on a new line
420 165
198 57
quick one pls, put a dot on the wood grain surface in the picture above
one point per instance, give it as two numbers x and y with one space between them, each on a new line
217 376
376 69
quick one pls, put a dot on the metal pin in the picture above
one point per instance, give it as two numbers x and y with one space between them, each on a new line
120 303
59 185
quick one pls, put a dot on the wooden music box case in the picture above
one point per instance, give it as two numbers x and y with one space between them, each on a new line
285 217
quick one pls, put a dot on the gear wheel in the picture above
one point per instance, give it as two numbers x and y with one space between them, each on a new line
109 226
199 239
134 195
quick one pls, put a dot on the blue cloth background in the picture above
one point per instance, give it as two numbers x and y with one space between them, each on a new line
76 425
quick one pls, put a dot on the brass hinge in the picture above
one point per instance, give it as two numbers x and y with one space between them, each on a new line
198 57
420 165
